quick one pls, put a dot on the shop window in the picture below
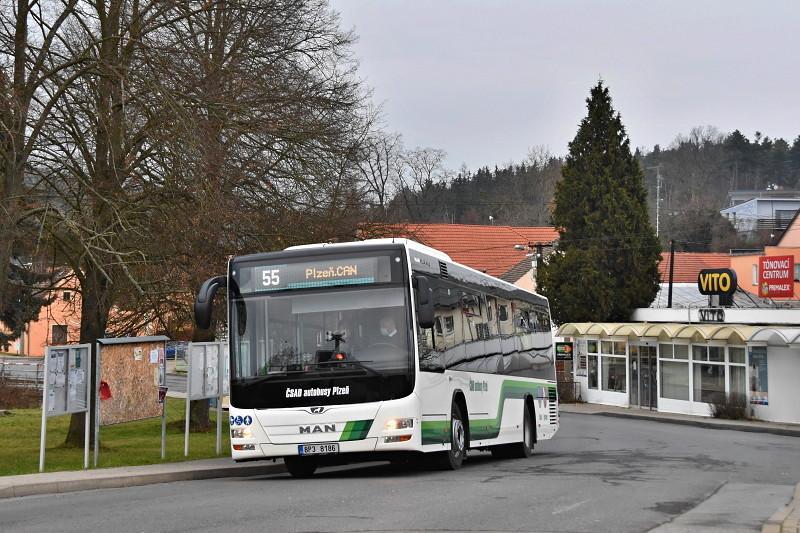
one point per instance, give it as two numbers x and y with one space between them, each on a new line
593 371
680 351
736 355
737 380
614 373
709 382
591 346
665 351
619 347
716 353
675 380
699 353
606 347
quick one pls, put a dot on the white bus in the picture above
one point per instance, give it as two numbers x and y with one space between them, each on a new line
381 349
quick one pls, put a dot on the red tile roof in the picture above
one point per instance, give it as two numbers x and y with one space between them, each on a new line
689 264
489 249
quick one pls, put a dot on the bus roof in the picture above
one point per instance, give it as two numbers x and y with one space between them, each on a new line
408 243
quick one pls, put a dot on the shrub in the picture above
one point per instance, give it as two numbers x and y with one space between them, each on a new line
731 407
16 397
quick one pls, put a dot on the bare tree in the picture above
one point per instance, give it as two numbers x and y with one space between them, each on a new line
383 168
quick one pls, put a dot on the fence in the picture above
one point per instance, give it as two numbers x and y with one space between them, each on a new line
25 373
569 392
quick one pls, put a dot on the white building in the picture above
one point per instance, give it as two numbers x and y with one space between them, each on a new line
753 211
680 360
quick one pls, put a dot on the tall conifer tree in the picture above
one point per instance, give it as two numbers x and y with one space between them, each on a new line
606 260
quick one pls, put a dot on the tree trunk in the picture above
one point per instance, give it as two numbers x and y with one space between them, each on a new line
94 317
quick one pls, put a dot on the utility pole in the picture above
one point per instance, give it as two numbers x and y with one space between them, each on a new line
671 270
658 195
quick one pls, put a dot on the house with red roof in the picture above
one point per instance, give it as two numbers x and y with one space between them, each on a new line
490 249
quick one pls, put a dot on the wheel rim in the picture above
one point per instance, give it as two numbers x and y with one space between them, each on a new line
458 436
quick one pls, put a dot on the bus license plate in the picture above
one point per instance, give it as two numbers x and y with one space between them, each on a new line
318 449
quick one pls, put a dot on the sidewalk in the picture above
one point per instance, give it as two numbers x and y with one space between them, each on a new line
756 426
129 476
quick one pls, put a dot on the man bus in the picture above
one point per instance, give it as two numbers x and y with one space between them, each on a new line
382 348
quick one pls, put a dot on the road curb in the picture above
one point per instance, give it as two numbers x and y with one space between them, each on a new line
134 479
785 432
786 519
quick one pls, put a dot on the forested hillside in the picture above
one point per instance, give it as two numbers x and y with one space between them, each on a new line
697 171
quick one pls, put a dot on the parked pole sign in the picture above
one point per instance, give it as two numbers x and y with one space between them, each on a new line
776 276
563 351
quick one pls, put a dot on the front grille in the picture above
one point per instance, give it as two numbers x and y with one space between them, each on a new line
552 404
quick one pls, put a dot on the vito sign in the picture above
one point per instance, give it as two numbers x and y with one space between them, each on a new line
776 276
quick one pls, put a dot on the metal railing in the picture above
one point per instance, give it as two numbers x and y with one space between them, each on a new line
22 373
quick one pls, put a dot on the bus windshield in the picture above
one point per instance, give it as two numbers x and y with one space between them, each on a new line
324 333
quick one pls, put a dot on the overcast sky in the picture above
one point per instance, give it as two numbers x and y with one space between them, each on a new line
486 80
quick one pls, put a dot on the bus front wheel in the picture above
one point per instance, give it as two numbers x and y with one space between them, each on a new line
301 467
454 457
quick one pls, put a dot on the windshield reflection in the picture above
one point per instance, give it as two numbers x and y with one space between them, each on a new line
354 331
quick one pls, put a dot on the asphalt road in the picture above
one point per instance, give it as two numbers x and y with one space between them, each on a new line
598 474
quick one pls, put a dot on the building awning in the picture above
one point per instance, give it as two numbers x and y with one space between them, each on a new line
698 333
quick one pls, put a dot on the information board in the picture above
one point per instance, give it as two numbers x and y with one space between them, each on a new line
67 388
208 363
132 371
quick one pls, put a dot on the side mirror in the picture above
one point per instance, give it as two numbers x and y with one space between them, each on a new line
425 314
204 304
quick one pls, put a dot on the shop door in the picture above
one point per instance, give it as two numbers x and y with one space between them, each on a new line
643 364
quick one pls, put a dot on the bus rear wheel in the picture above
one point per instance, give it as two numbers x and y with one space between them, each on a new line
300 467
519 450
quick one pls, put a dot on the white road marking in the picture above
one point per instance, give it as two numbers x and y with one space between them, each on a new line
569 507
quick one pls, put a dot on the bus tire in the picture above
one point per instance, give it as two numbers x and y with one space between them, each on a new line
519 450
454 457
300 467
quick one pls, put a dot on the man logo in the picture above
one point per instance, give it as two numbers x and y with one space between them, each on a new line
325 428
317 410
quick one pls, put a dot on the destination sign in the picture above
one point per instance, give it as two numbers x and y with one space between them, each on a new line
312 274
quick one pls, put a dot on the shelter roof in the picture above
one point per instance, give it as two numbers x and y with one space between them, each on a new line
701 333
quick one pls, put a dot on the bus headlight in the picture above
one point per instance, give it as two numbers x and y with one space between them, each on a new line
399 423
241 433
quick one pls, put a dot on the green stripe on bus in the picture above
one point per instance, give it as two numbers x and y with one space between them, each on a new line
437 432
356 430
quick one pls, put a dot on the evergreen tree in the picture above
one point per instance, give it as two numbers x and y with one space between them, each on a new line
606 260
22 302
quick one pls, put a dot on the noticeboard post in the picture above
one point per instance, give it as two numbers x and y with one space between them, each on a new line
131 383
207 377
67 390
